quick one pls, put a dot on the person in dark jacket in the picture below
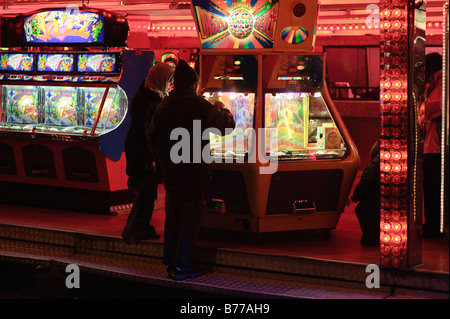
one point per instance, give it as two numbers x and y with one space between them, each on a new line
185 173
142 171
367 193
431 121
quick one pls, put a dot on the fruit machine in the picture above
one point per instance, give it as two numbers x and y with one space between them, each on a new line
290 162
62 110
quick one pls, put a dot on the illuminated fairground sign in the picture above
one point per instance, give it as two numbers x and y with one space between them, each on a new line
64 26
235 24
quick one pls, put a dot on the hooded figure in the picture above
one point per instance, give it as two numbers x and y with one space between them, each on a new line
177 129
184 110
143 173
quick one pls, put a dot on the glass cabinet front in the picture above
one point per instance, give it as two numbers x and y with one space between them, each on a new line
297 119
234 145
300 126
64 109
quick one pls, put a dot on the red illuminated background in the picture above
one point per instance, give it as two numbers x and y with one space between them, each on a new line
161 23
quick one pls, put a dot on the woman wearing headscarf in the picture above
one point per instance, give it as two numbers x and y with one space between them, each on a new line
143 173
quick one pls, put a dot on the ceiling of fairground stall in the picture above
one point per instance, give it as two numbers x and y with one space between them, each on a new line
162 18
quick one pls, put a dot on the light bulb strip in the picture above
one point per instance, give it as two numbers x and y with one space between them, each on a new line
394 133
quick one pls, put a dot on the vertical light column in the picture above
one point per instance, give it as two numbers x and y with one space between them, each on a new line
398 138
445 121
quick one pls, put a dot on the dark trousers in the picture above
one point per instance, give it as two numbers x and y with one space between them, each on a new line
184 210
143 206
432 192
369 220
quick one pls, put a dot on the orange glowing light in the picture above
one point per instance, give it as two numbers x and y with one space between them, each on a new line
386 226
385 155
396 155
386 96
385 84
386 167
397 12
386 12
397 25
397 84
397 96
396 227
397 239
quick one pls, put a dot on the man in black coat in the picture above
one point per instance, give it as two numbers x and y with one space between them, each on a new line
185 172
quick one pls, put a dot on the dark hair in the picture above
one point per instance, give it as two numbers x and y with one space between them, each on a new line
375 150
433 63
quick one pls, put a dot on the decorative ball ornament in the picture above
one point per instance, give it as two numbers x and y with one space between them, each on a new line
240 23
294 34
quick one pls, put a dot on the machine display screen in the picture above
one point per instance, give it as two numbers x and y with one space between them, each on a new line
287 113
60 106
236 144
300 126
55 62
111 113
97 63
16 62
62 109
21 104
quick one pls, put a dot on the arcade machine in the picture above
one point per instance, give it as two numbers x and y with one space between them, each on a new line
290 163
62 110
